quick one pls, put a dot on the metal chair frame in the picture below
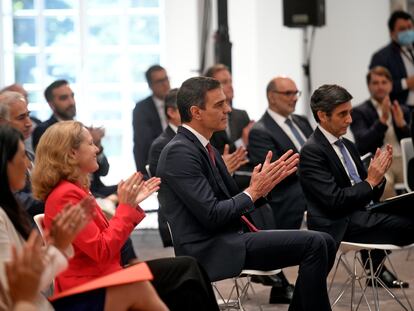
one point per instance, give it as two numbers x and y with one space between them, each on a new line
358 274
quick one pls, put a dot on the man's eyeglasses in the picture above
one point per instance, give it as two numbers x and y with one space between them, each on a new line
289 93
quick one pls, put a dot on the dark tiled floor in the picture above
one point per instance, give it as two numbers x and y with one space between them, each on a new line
148 246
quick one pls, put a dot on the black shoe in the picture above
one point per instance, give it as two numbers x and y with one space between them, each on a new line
281 294
267 280
390 280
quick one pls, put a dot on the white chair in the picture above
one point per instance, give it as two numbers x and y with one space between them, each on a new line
407 151
38 219
358 276
239 291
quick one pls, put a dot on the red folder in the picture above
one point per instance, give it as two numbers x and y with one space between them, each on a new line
134 273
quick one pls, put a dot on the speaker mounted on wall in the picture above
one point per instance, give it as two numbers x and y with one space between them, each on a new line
301 13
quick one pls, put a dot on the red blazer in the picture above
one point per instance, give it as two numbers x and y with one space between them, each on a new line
97 247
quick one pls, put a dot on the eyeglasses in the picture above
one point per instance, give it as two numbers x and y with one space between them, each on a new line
289 93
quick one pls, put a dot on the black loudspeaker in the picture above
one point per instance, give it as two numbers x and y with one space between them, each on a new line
300 13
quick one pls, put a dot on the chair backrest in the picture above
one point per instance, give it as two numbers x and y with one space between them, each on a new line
38 219
407 151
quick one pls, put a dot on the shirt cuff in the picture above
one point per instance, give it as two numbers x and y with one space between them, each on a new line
239 143
248 194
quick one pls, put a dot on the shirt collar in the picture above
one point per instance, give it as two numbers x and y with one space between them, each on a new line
158 102
278 118
173 127
204 141
331 138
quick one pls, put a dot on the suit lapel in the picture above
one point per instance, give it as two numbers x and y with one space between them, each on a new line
332 156
302 125
277 133
214 169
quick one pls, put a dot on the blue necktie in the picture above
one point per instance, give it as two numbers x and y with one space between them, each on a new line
348 162
295 132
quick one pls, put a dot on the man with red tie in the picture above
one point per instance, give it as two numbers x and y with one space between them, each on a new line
208 215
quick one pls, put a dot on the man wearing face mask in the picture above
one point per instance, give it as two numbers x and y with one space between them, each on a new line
398 57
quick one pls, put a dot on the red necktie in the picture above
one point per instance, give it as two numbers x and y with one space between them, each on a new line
210 150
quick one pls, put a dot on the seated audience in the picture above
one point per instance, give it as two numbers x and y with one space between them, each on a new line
206 210
148 116
378 121
279 130
397 57
337 187
232 160
14 112
26 267
65 157
35 121
236 134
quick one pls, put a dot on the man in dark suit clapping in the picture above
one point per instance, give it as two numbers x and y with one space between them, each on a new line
206 210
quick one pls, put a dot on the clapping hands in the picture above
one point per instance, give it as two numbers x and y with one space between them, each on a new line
265 177
135 190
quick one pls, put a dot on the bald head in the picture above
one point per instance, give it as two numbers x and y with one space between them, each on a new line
282 95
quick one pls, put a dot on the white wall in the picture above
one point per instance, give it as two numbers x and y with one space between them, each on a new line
354 30
263 48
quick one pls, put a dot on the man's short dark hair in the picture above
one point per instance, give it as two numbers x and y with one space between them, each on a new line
149 72
379 71
54 85
193 93
170 101
397 15
210 72
327 97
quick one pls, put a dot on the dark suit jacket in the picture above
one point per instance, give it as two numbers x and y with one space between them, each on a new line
390 58
147 126
411 162
287 199
369 132
331 197
203 206
41 128
238 120
156 147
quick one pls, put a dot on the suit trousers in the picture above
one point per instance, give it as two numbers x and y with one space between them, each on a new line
381 228
313 251
182 284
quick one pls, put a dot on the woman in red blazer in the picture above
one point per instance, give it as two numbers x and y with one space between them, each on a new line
65 157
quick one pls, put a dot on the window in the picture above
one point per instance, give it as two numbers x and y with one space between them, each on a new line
102 47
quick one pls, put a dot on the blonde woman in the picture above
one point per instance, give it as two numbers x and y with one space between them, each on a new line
65 157
26 267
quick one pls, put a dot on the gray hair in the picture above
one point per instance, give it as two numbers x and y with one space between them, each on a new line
7 98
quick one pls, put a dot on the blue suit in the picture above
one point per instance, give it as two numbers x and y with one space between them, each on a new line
203 207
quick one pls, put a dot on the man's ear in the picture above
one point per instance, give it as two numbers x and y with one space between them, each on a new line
321 115
195 113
